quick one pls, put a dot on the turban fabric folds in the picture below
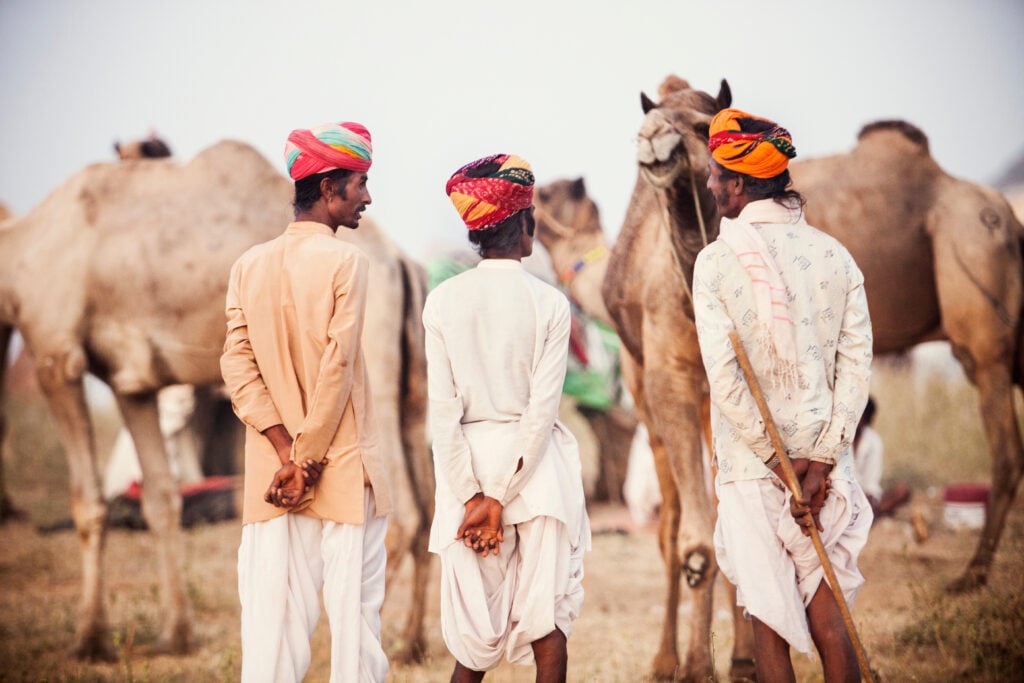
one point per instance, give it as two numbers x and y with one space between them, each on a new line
326 148
762 155
487 191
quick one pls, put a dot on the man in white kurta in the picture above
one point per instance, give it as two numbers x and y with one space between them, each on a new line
497 345
796 298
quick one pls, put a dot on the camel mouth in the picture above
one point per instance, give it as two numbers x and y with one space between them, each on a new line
663 173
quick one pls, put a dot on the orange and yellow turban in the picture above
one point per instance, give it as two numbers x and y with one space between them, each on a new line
326 148
762 155
487 191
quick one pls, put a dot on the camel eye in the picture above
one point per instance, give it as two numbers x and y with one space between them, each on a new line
702 130
545 195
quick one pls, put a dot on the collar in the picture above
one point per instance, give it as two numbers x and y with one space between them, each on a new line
769 211
308 228
500 264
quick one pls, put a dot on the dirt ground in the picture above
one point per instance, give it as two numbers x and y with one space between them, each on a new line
911 629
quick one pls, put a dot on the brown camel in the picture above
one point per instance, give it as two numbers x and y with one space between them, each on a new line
569 227
941 258
122 271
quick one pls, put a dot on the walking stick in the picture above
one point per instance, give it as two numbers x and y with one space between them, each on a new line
794 487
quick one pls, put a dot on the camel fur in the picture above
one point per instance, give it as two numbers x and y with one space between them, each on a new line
122 272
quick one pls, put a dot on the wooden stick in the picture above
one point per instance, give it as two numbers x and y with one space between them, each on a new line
794 486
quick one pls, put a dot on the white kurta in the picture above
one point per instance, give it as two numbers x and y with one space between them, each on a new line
759 546
867 456
497 345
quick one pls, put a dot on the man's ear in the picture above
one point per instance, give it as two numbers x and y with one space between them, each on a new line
328 187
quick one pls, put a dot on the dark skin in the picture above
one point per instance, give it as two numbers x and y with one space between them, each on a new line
341 203
481 527
839 660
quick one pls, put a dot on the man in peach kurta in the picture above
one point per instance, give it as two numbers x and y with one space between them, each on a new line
315 500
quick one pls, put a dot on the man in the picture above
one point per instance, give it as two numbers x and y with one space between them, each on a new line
315 497
510 523
868 456
796 298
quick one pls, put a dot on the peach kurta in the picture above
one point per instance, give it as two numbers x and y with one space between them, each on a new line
293 356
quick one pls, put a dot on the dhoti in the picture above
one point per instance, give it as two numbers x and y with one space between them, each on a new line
774 567
498 605
283 564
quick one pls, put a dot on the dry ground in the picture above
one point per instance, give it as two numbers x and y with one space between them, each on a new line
911 628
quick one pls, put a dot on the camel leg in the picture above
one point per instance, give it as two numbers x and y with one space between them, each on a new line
666 661
161 506
60 377
414 647
995 400
673 402
7 510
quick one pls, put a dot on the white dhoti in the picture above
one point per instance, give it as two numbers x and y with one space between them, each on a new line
498 605
774 567
283 564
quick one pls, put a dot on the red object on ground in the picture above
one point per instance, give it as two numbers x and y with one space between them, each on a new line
967 493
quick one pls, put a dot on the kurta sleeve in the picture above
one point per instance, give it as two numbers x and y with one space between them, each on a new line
852 371
538 420
335 375
714 275
451 449
249 395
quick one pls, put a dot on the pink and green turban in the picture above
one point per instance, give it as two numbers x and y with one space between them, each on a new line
762 155
485 198
326 148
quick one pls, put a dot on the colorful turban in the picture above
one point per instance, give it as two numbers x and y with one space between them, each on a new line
326 148
762 155
486 198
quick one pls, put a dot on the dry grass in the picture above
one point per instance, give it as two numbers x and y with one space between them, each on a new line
911 628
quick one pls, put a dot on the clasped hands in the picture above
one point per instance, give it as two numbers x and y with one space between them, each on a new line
815 485
291 481
481 527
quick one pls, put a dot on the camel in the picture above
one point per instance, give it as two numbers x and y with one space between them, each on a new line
941 258
122 272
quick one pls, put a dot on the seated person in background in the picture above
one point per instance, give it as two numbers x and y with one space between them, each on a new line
867 458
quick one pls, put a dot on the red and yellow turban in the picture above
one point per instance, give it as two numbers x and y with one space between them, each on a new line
762 155
326 148
487 191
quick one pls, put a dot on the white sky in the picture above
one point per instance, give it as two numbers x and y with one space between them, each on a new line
441 82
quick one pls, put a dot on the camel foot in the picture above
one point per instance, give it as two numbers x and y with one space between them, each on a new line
972 579
93 645
743 670
414 652
175 640
695 566
665 667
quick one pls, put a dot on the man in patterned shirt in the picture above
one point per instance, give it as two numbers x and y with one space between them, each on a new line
796 299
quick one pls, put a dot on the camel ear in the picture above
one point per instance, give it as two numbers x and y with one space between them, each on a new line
577 190
645 102
724 95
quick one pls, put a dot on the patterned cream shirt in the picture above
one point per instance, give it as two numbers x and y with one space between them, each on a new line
817 414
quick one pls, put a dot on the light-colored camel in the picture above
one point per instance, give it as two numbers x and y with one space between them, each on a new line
941 258
122 271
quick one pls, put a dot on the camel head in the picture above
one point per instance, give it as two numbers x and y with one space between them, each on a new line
150 148
568 223
673 139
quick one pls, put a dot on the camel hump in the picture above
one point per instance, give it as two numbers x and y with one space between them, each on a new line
671 84
904 128
232 155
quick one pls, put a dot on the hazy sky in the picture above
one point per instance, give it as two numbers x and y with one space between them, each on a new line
441 82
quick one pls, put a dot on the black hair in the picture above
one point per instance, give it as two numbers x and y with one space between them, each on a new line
777 188
504 236
307 190
869 412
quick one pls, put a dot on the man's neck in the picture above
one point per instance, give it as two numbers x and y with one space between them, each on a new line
317 214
